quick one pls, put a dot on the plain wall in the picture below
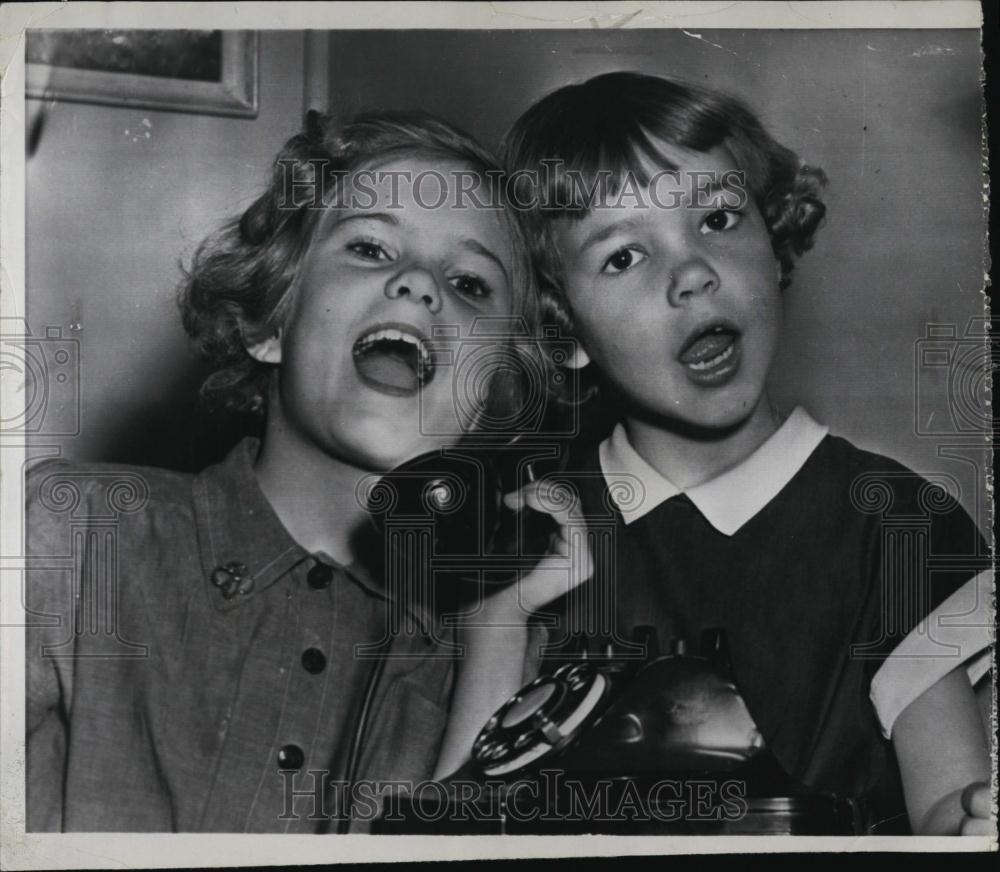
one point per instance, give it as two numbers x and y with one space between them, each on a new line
892 116
117 199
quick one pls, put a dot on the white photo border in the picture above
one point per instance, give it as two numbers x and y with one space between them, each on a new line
26 851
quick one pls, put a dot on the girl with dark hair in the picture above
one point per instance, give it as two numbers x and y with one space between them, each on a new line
855 593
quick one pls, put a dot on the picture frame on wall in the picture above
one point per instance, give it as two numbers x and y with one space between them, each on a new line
211 72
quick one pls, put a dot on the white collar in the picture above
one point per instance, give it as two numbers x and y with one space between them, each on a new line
727 501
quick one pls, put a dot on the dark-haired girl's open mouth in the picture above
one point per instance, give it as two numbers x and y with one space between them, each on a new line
711 354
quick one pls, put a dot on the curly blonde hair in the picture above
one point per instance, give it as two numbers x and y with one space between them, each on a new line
238 288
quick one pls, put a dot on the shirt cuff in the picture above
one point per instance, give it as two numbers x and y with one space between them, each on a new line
959 631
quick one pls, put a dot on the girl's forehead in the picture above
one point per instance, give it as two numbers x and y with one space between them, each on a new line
421 176
426 198
596 174
417 161
694 178
431 183
668 156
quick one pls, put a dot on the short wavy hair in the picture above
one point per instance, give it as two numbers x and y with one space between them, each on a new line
240 283
607 127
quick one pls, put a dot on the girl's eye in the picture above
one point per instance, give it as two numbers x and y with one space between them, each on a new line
719 220
471 286
623 259
369 250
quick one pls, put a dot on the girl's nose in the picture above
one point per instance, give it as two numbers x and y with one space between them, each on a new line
417 285
691 280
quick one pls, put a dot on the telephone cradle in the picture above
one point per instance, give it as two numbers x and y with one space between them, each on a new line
663 745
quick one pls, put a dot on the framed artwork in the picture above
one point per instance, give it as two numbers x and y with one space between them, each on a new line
204 71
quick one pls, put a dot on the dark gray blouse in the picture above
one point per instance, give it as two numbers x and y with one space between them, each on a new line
191 668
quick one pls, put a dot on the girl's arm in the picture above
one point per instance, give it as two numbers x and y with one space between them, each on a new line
497 649
944 759
488 675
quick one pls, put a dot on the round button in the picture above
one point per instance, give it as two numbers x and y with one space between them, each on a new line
291 757
320 576
313 660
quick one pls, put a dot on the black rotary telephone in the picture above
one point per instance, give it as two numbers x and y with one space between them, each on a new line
608 744
668 738
455 496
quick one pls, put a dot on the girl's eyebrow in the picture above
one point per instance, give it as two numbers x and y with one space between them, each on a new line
475 246
383 217
603 233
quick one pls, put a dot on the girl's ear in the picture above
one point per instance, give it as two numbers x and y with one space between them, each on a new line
579 359
267 350
556 310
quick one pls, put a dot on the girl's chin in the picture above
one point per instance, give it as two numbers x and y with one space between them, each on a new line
702 424
372 454
378 443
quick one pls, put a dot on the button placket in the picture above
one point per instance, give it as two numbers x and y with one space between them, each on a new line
302 715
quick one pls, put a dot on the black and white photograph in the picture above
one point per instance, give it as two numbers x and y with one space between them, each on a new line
495 430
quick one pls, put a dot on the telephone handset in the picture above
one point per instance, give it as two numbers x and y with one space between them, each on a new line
455 495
